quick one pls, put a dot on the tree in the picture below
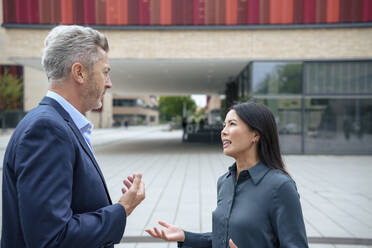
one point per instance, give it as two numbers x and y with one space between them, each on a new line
284 78
172 106
11 90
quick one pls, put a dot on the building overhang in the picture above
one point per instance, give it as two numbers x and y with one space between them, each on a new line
165 76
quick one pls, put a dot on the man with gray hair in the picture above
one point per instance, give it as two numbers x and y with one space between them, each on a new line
54 193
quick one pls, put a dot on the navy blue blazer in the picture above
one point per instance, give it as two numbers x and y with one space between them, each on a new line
54 193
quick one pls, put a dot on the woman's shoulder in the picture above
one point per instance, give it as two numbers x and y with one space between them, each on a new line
278 178
223 177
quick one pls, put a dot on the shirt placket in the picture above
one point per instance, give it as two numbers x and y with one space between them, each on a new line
230 204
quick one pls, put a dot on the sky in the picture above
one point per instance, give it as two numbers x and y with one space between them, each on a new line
200 100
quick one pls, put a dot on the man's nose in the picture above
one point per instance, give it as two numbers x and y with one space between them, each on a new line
108 83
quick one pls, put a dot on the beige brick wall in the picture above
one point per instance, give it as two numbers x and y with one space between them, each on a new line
139 111
214 103
35 87
3 43
247 44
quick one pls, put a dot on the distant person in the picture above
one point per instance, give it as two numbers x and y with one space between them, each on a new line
347 127
54 193
126 123
257 201
201 124
184 126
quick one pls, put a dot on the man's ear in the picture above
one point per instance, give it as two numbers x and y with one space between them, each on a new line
79 73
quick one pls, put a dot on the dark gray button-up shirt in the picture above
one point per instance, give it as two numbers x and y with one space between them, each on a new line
262 209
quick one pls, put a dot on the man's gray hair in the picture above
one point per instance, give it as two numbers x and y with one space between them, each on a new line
66 45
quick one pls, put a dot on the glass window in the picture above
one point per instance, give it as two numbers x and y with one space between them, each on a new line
338 77
276 78
341 126
124 102
287 114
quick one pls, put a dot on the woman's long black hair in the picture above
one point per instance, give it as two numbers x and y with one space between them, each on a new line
260 119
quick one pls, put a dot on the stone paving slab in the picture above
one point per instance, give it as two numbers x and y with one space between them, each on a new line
336 191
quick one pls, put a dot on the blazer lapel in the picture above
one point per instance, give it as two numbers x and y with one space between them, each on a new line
76 131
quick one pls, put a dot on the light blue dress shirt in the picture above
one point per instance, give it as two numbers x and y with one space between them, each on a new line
82 123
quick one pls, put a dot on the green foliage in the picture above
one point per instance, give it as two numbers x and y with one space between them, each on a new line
285 78
172 106
11 90
199 115
290 78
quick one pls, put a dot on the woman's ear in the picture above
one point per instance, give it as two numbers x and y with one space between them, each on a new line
79 73
256 136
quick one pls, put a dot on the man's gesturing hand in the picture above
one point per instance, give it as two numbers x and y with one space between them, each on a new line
134 194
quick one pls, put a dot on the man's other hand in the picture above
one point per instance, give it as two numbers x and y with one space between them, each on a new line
133 194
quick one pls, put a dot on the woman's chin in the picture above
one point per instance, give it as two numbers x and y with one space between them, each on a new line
226 152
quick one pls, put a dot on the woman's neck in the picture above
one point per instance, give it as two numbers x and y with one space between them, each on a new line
245 162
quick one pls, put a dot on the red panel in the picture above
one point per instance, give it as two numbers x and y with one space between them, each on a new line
89 12
264 11
66 12
367 10
123 12
298 11
253 12
309 11
155 12
333 9
275 11
345 11
144 12
231 12
198 12
112 12
242 12
44 10
177 12
165 12
100 12
78 12
210 12
9 10
228 12
188 8
21 11
357 11
220 12
133 12
55 11
287 12
321 11
33 11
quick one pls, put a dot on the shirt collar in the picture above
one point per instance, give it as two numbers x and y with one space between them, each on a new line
257 172
82 123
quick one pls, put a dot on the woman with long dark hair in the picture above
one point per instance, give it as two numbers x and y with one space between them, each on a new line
257 200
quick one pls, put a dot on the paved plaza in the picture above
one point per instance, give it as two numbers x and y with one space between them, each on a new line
180 178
